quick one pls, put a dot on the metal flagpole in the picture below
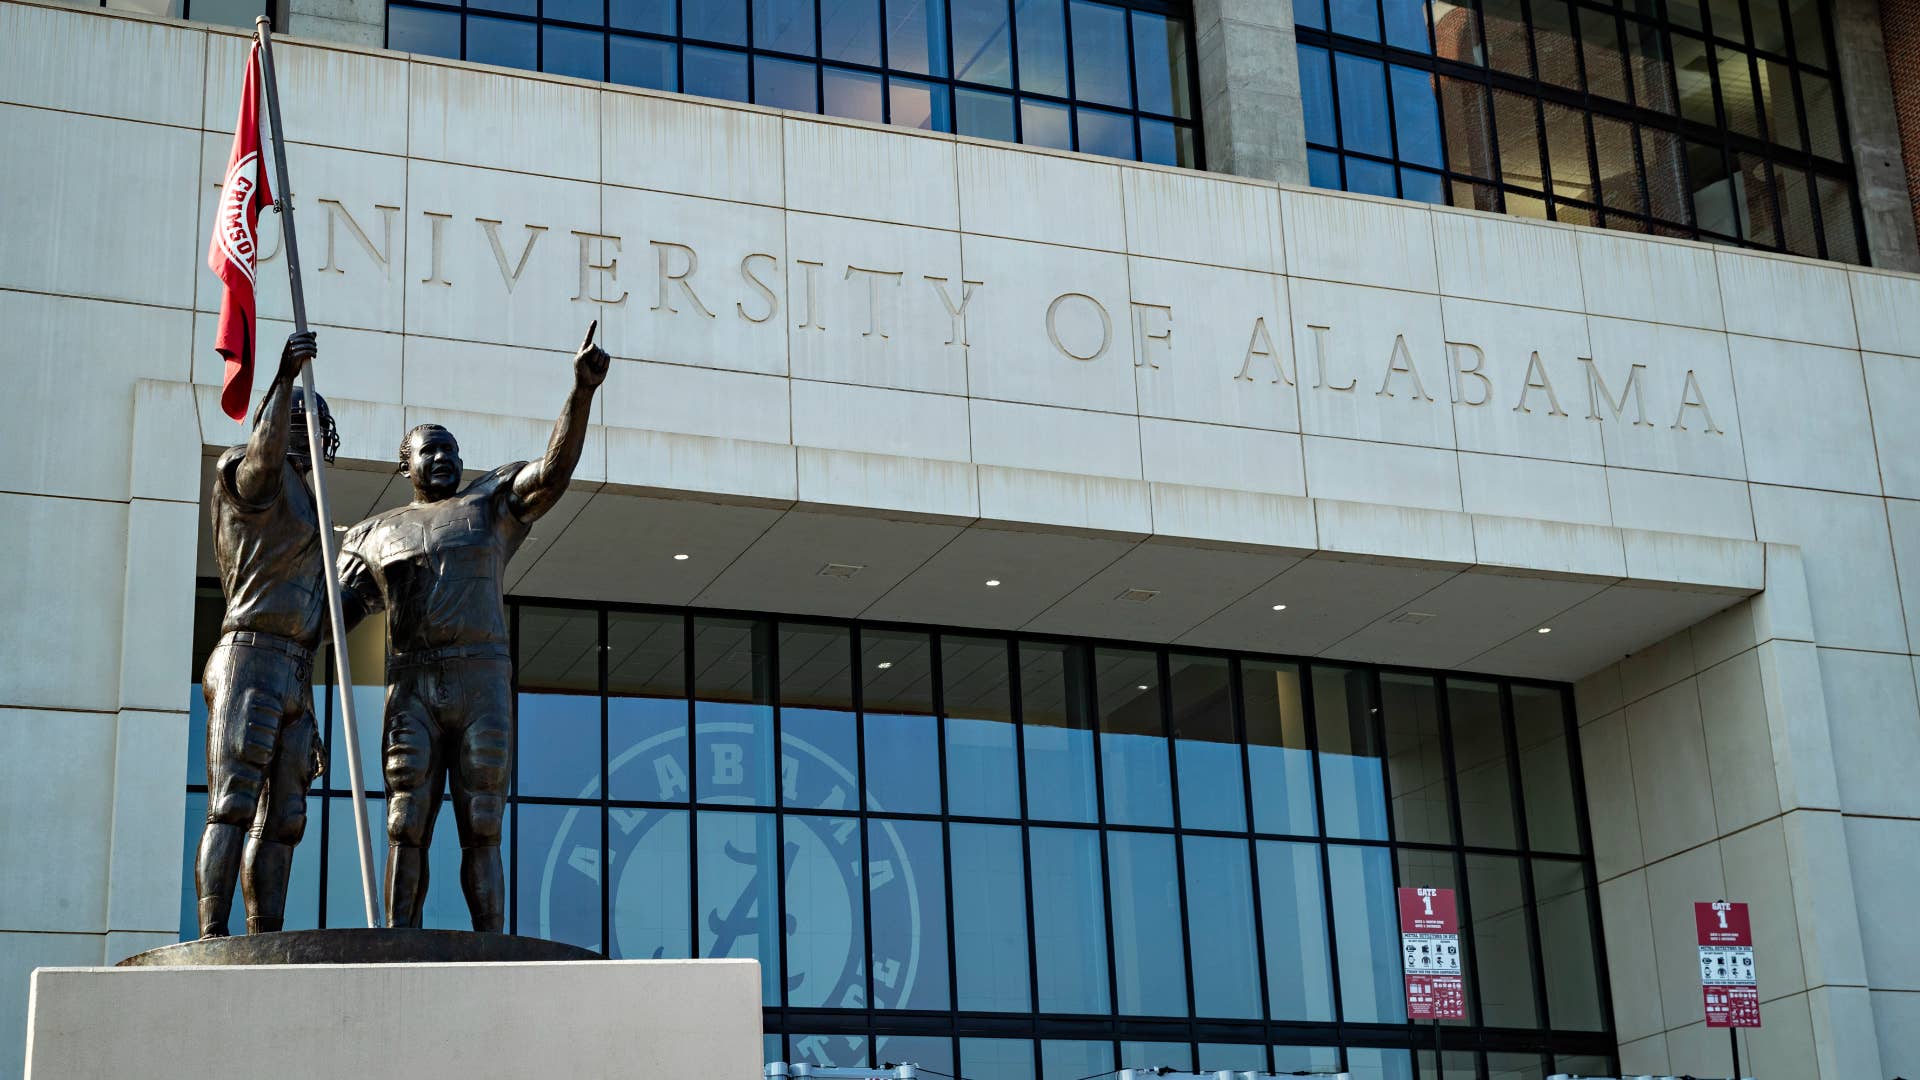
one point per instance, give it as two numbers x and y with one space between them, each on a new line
284 206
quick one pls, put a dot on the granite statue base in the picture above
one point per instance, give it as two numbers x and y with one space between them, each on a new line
405 1005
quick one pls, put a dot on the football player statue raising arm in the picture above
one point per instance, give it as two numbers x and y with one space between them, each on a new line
263 749
435 565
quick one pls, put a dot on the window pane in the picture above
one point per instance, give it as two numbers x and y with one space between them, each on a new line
1041 26
1149 970
652 867
1323 170
1795 192
1069 921
1567 152
850 31
1135 1054
1506 33
1355 18
716 20
915 104
1456 32
1546 775
1781 104
559 879
1480 764
1313 1059
784 84
818 743
1454 1065
1759 221
933 1053
1310 13
917 36
1099 53
1350 767
1407 24
990 918
655 16
983 777
907 891
1367 935
824 891
1363 104
1277 752
831 1051
579 53
1165 143
559 710
1600 47
417 30
1316 92
1133 739
1650 67
1421 809
643 62
1695 80
1469 127
1064 1060
1421 869
1662 155
591 12
1553 44
500 41
1823 125
996 1059
739 902
1512 1067
1234 1057
1043 123
1809 36
1205 750
783 25
1499 938
516 7
901 736
1293 920
1620 184
1737 94
733 717
853 94
1563 908
983 42
983 114
1416 115
1837 218
1371 178
1160 64
1058 737
1226 972
646 707
1517 125
713 73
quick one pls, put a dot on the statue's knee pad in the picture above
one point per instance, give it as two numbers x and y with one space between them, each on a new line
409 754
486 820
285 824
234 802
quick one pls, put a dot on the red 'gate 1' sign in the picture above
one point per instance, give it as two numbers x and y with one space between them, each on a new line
1430 955
1727 979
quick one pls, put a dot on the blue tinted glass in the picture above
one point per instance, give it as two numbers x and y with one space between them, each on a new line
196 823
1155 1055
996 1059
579 53
785 84
1205 748
739 904
990 918
824 920
416 30
1343 708
906 890
1160 143
850 31
1316 96
716 20
559 880
1148 969
1069 921
1236 1057
979 113
1310 13
1306 1058
1226 968
1363 104
1410 708
647 749
783 26
932 1053
853 94
1423 186
1367 934
1160 64
641 62
1106 133
1058 742
1371 1063
1323 169
1133 739
516 7
1407 24
1041 27
831 1051
820 766
1370 178
1062 1059
369 706
733 720
651 15
903 763
652 867
915 104
559 744
1043 123
917 37
1355 18
1100 53
500 41
1277 754
983 777
344 903
1416 115
591 12
1293 918
197 728
982 42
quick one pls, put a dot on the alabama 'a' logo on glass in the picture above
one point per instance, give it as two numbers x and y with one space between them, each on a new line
823 930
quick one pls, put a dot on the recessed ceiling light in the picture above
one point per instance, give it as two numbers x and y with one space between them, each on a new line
1544 630
1141 686
993 583
681 557
884 665
1279 607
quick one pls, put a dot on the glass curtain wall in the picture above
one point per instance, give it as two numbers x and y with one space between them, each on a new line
1018 857
1717 120
1114 78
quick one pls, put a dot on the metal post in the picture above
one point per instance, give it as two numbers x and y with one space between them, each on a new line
1733 1040
369 892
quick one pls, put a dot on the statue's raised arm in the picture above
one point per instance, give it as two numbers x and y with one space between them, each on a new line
540 484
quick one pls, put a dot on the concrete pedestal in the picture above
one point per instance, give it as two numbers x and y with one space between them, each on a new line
631 1019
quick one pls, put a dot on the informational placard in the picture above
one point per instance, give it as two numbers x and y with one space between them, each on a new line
1430 955
1727 978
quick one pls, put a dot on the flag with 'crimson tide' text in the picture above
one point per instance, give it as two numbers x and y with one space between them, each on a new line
231 253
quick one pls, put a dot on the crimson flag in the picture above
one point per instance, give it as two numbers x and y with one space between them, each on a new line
236 242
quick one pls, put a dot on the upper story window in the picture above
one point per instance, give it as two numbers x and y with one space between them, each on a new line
1717 120
1104 78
